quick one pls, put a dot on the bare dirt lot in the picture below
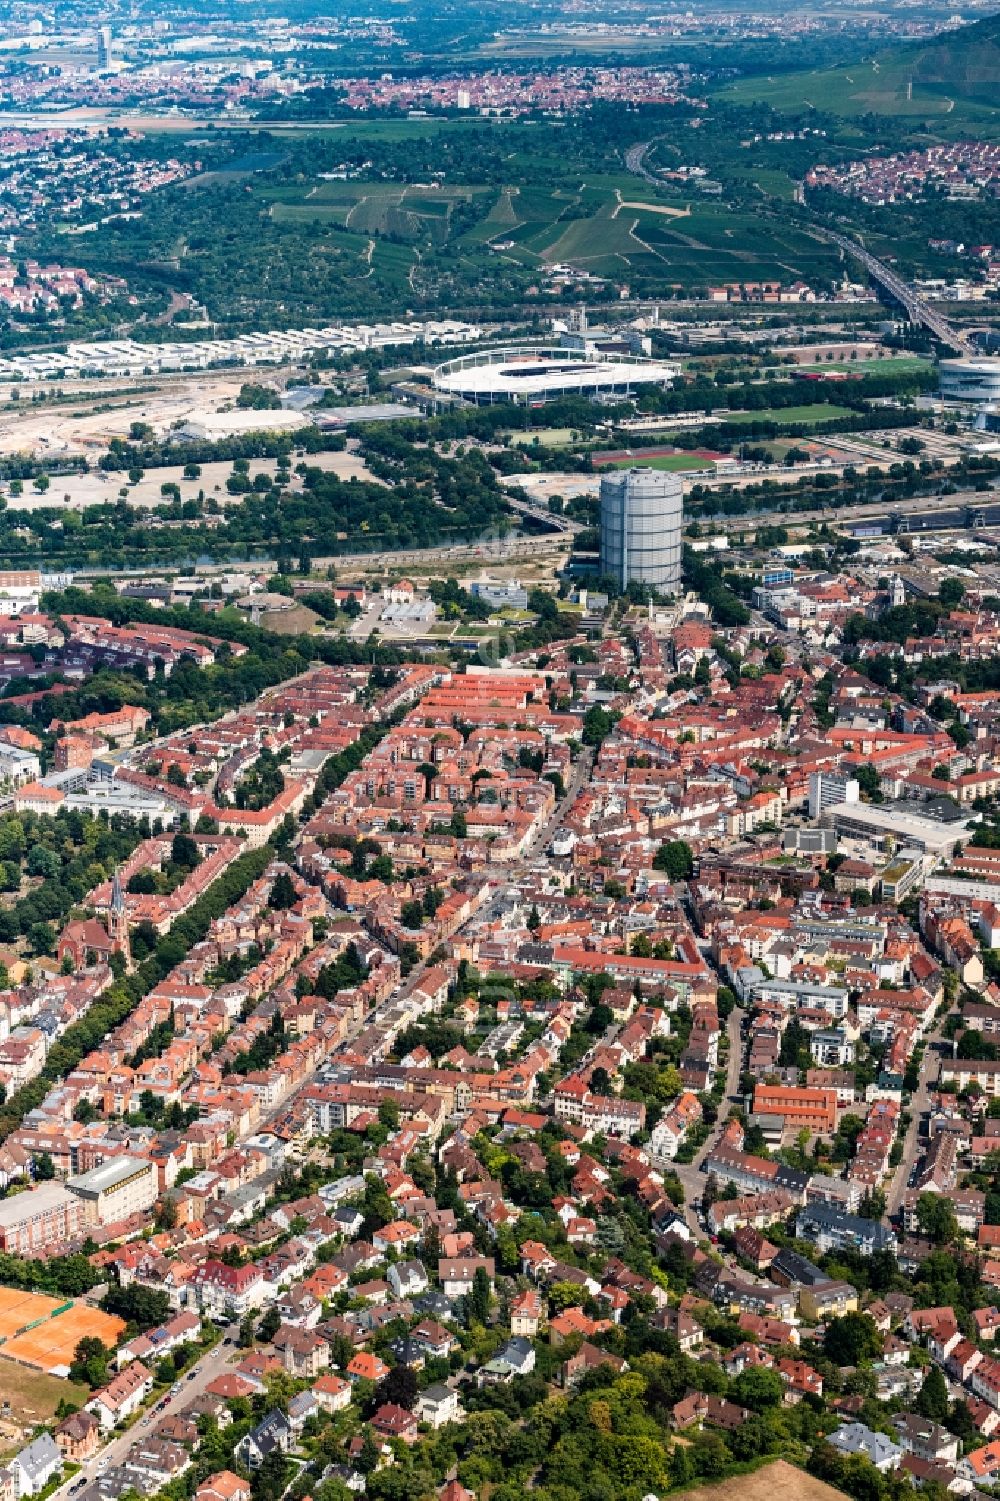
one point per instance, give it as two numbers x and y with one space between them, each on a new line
779 1481
100 487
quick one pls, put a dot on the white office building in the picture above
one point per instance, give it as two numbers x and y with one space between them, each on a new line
828 788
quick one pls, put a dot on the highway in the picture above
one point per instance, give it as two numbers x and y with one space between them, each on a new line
918 310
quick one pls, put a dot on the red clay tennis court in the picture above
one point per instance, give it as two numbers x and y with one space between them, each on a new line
44 1332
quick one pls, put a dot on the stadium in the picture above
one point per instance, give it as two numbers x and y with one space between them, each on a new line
532 375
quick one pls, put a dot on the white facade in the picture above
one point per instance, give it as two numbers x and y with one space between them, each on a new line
829 788
118 1188
970 380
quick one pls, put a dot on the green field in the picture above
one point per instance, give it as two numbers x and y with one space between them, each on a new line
377 219
674 463
610 224
895 365
948 82
817 411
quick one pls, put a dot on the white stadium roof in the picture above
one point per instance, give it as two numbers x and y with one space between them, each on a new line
531 373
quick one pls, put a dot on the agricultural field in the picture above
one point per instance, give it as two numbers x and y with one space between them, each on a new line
593 228
424 215
947 84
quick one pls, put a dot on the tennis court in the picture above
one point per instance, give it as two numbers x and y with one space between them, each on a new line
44 1332
18 1309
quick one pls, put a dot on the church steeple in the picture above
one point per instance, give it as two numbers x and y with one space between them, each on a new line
118 920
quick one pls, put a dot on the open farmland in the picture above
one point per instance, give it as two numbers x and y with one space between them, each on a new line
344 225
594 227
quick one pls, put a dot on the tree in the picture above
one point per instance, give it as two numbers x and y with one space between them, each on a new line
166 1214
936 1218
400 1387
145 1307
42 937
851 1339
43 862
90 1362
932 1398
480 1297
681 1466
378 1208
759 1388
269 1325
951 593
411 914
600 1082
268 1483
388 1114
183 851
597 725
283 894
675 859
43 1167
370 1454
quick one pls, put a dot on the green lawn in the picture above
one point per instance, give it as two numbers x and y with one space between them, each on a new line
817 411
892 366
673 462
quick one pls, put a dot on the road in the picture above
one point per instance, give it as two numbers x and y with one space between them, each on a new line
691 1174
920 1104
635 161
212 1365
918 310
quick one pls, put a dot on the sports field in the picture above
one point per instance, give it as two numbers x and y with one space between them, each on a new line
18 1309
815 411
44 1332
673 463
